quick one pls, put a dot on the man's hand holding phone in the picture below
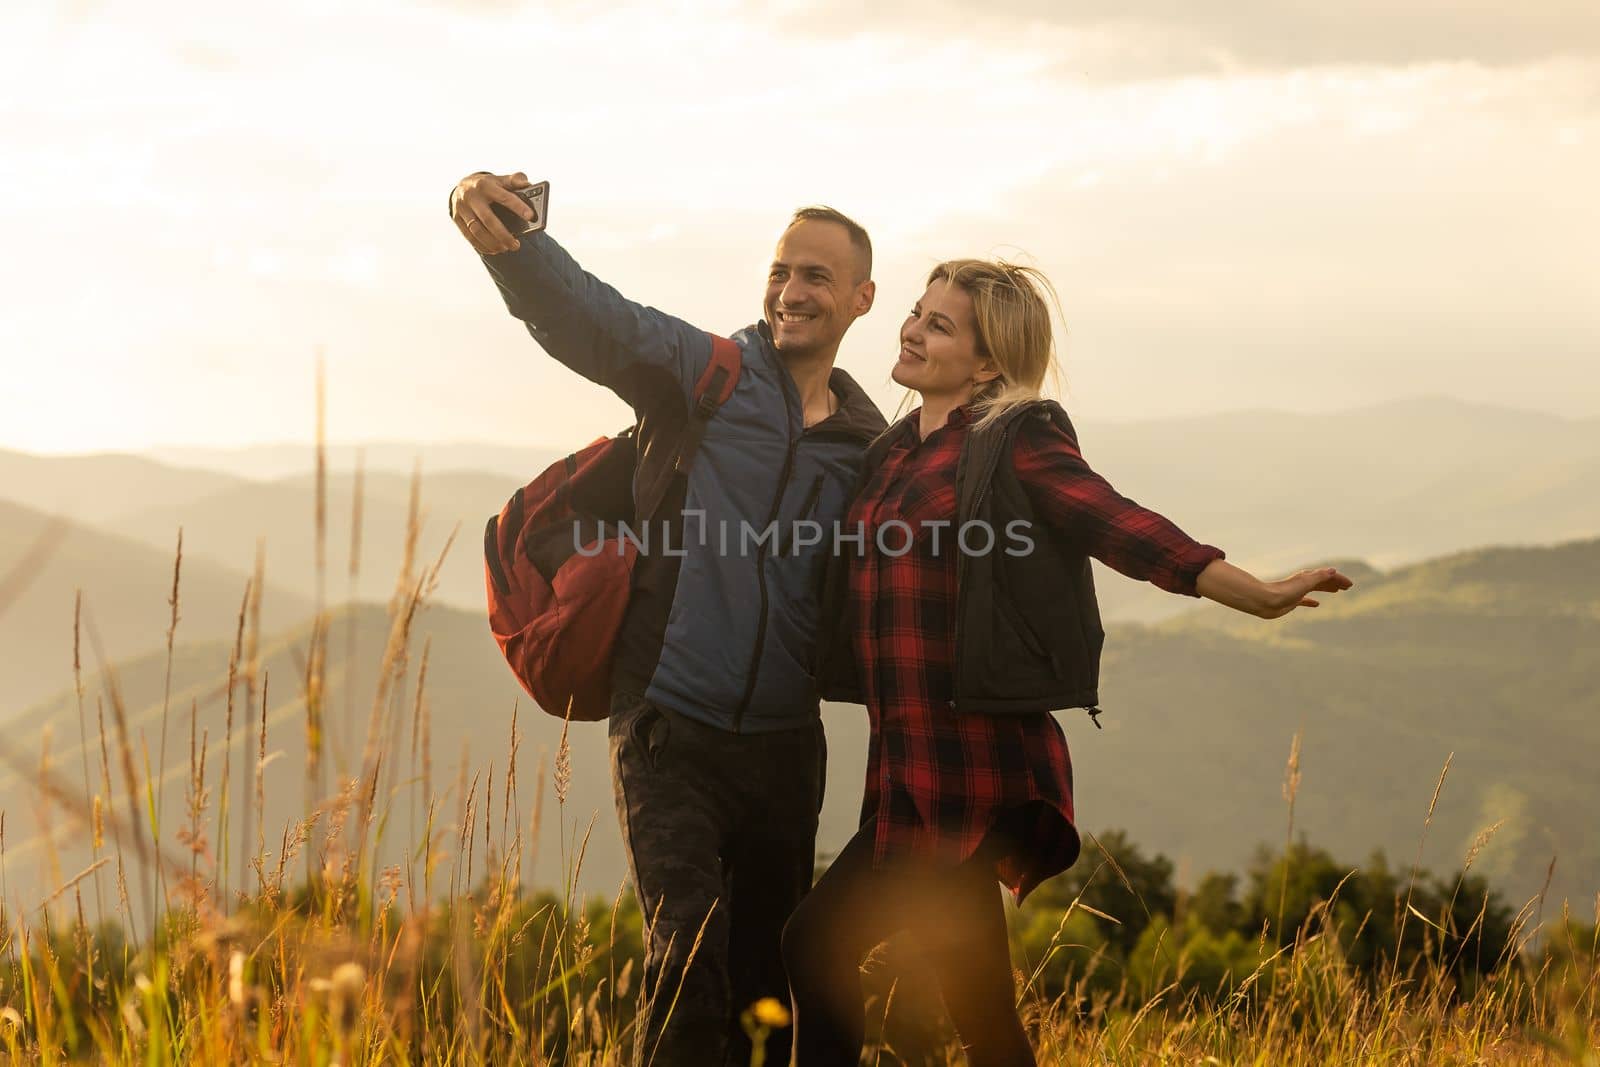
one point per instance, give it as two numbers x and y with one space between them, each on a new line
493 210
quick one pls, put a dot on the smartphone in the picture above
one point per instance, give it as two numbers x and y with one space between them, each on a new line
536 196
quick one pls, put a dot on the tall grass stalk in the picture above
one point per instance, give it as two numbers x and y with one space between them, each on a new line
166 704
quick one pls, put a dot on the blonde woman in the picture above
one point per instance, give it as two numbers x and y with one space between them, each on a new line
964 616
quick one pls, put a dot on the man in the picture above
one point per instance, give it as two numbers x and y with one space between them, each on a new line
717 751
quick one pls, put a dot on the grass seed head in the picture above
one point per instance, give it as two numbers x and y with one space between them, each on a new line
346 988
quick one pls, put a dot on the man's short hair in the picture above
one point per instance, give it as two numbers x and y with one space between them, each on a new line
857 232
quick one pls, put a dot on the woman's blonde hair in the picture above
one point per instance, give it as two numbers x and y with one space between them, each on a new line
1009 302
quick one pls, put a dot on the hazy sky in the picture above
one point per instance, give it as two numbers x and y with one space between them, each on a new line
1281 204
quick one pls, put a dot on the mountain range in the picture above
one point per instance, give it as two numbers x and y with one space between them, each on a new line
1389 484
1444 647
126 586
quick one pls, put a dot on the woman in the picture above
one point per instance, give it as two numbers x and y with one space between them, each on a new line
967 614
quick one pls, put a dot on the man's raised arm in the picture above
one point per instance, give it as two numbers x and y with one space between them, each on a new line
580 320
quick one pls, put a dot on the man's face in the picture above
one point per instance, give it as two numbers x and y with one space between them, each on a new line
815 288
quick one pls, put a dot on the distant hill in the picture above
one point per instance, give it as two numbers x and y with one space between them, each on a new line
125 586
1487 654
1511 582
225 525
272 462
223 515
1391 483
470 696
97 489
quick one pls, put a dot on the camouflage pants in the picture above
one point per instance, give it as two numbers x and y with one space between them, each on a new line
720 831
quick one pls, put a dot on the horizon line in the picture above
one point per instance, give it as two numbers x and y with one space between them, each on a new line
149 450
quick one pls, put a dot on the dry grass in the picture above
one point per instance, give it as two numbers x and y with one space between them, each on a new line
340 960
1304 1003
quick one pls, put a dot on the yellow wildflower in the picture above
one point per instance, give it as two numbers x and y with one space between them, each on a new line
771 1012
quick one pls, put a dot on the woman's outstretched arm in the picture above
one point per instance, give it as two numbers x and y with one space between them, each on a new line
1077 502
1141 543
1237 588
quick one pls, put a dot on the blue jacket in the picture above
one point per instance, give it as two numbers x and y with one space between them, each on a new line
725 632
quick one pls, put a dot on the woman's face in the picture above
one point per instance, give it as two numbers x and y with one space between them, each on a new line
939 345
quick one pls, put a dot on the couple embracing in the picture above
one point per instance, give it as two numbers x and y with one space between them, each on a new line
949 592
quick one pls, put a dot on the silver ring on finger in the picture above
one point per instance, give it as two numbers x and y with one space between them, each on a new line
473 222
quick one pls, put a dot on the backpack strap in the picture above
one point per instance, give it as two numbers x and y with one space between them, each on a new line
713 388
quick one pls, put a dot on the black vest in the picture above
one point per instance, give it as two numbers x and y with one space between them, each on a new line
1028 633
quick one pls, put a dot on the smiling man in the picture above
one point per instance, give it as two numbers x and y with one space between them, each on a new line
717 751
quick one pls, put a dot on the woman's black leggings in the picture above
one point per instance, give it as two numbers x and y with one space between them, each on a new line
959 921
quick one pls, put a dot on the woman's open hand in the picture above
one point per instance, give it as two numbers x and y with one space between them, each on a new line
1240 590
1286 594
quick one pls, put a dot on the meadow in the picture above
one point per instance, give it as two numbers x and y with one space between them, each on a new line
394 919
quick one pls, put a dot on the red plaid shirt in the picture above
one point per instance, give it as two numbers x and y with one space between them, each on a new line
937 781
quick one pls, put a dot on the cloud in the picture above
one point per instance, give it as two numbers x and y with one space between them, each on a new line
1321 264
205 58
256 189
1120 40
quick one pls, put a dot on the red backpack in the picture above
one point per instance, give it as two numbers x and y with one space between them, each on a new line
554 610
